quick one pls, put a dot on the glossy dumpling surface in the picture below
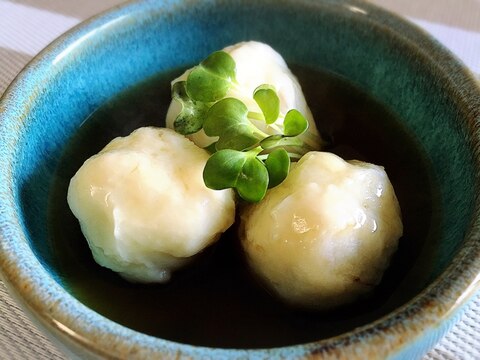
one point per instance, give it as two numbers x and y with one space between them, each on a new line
326 234
143 206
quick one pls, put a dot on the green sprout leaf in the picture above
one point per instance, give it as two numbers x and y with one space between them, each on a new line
274 141
237 138
226 113
294 123
211 79
243 157
228 120
278 166
193 113
223 168
253 181
268 101
242 171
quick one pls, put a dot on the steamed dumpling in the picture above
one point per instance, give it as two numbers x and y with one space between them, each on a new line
326 234
143 206
257 64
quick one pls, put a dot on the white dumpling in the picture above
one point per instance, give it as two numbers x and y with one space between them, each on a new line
326 234
143 206
257 64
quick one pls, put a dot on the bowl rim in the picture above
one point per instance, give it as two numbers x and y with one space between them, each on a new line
43 297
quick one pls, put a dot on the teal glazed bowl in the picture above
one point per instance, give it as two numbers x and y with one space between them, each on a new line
431 95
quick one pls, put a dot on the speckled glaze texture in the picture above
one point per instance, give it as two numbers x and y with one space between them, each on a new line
394 61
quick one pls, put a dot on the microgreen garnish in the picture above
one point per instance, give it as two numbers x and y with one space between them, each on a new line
244 157
294 124
278 166
210 81
240 170
268 101
190 119
274 141
228 119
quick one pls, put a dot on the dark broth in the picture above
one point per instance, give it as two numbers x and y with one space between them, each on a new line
216 302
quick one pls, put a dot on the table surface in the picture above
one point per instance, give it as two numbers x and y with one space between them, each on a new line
27 26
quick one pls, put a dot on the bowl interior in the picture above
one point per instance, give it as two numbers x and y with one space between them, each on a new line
151 42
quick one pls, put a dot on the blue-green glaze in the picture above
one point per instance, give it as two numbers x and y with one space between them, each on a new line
392 60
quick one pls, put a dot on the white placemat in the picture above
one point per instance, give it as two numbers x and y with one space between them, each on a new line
27 26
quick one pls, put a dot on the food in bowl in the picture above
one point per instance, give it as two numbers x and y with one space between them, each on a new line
321 237
219 279
256 64
325 235
143 206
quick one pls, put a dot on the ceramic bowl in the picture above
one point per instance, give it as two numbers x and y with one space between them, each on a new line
433 96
